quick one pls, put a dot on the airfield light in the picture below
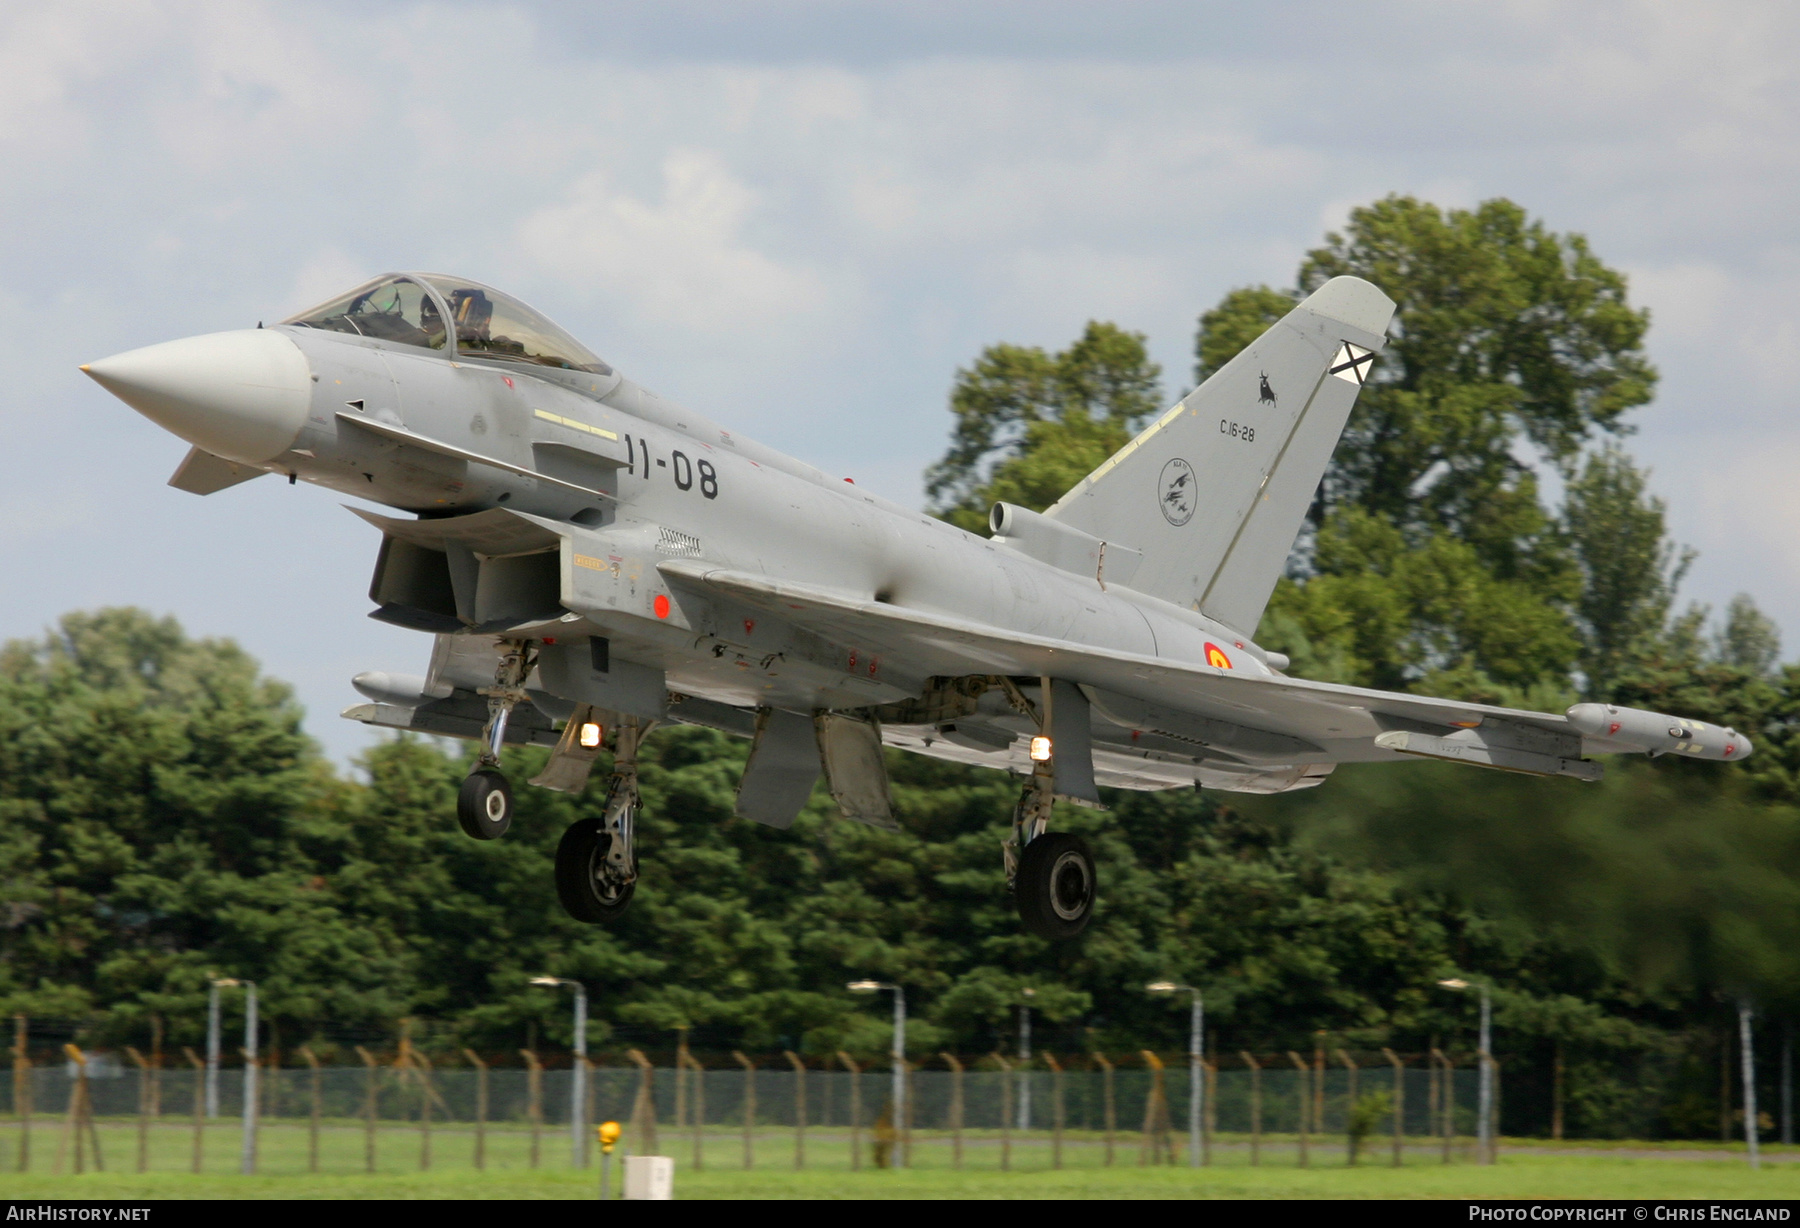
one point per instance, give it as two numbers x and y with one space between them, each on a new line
863 986
1040 749
578 1084
609 1135
591 733
1162 987
1485 1114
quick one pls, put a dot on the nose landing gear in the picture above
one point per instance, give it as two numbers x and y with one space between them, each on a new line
484 804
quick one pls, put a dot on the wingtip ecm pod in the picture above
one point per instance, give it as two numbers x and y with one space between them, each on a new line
1656 733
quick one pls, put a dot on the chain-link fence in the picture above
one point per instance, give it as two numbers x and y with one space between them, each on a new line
410 1114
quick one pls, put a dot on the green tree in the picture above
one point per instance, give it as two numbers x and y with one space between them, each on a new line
1430 558
1629 568
1749 640
1030 424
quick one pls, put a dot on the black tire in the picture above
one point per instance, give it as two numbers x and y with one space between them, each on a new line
586 893
484 805
1056 886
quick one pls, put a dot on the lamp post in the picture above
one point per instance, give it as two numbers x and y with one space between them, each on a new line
1196 1055
899 1042
578 1084
247 1161
1025 1058
212 1044
1485 1098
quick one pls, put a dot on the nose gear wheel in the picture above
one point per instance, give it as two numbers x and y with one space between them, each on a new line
484 805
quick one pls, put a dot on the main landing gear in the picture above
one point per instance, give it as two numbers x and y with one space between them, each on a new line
1051 874
596 862
484 805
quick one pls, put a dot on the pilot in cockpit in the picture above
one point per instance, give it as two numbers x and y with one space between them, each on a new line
473 312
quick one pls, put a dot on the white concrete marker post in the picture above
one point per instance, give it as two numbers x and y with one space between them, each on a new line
650 1178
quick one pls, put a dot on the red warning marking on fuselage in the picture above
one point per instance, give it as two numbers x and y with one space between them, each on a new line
661 605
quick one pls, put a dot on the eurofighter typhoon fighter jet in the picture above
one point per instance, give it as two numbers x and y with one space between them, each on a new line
593 560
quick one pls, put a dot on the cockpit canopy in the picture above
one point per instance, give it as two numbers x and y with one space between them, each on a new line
431 311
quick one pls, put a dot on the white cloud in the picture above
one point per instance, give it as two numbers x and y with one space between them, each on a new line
681 261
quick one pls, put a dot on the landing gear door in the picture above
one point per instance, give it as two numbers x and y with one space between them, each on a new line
781 772
850 748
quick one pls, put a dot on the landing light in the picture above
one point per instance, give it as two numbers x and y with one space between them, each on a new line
591 734
1040 749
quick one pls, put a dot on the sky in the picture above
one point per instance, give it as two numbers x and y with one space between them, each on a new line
800 218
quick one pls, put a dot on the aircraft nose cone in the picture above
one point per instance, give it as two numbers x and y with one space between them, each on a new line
242 395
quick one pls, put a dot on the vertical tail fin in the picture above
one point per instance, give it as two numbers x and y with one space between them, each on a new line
1214 492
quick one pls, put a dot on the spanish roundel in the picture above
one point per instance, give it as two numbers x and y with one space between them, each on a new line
1215 657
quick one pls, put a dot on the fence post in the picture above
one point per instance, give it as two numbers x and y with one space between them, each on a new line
1056 1109
591 1069
855 1109
422 1072
1399 1102
1209 1121
1255 1106
1304 1071
22 1089
1005 1111
534 1104
1556 1094
370 1074
318 1096
799 1107
1109 1104
143 1139
699 1073
1446 1099
1494 1107
156 1056
199 1066
749 1108
643 1109
481 1108
906 1113
1318 1083
1156 1116
81 1113
1350 1142
681 1069
956 1109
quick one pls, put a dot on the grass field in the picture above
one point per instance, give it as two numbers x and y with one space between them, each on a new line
1530 1169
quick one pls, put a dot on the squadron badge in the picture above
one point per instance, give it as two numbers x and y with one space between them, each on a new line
1178 492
